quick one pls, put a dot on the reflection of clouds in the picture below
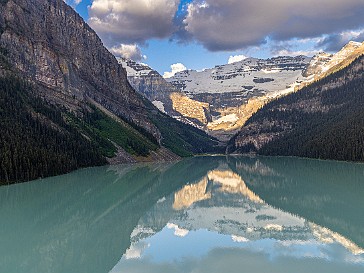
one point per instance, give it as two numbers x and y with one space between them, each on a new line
235 260
135 250
239 239
180 232
161 200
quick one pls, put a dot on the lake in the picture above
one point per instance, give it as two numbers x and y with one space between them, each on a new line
202 214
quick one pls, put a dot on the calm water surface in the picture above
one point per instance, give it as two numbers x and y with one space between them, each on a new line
204 214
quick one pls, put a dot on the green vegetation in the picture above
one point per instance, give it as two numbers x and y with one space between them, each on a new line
104 131
35 141
336 133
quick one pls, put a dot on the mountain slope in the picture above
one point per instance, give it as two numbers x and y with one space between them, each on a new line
35 141
324 120
46 45
164 95
232 92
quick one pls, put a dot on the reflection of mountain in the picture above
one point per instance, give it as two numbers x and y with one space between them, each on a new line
87 220
222 202
325 192
82 222
190 194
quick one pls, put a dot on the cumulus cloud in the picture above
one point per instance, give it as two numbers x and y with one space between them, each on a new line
132 52
132 21
235 24
178 67
236 58
336 41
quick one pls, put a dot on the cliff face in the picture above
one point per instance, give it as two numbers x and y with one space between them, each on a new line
165 96
52 46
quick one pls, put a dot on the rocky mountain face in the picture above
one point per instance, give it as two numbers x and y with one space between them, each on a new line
324 64
50 56
234 91
50 44
323 120
164 95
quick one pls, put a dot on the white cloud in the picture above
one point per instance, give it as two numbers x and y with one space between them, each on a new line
236 58
132 52
180 232
221 25
178 67
135 250
239 239
132 21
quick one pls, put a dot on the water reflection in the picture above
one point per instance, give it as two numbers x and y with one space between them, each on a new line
209 214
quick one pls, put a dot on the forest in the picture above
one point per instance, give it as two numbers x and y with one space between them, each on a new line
335 130
35 141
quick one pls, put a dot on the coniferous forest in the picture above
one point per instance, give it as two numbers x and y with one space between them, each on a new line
335 130
35 141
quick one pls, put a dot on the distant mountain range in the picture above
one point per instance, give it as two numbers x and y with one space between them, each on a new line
220 100
323 120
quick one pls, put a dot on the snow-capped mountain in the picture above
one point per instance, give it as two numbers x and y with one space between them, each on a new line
164 95
235 91
221 99
245 77
323 63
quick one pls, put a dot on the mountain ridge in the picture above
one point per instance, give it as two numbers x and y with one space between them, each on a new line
322 120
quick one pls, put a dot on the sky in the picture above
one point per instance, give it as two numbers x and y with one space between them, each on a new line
173 35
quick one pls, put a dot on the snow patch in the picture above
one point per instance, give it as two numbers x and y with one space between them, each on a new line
159 105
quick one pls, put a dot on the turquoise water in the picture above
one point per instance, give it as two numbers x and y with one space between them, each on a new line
204 214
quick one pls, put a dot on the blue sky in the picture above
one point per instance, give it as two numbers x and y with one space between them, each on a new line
204 33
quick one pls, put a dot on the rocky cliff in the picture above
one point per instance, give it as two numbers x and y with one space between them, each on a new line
51 45
165 96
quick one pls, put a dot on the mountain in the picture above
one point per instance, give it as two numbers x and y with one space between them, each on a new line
70 101
164 95
233 92
323 120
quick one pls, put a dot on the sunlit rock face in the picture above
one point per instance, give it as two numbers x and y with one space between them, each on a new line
164 95
324 64
235 91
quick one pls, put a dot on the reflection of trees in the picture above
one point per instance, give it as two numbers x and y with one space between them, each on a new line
82 222
327 193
